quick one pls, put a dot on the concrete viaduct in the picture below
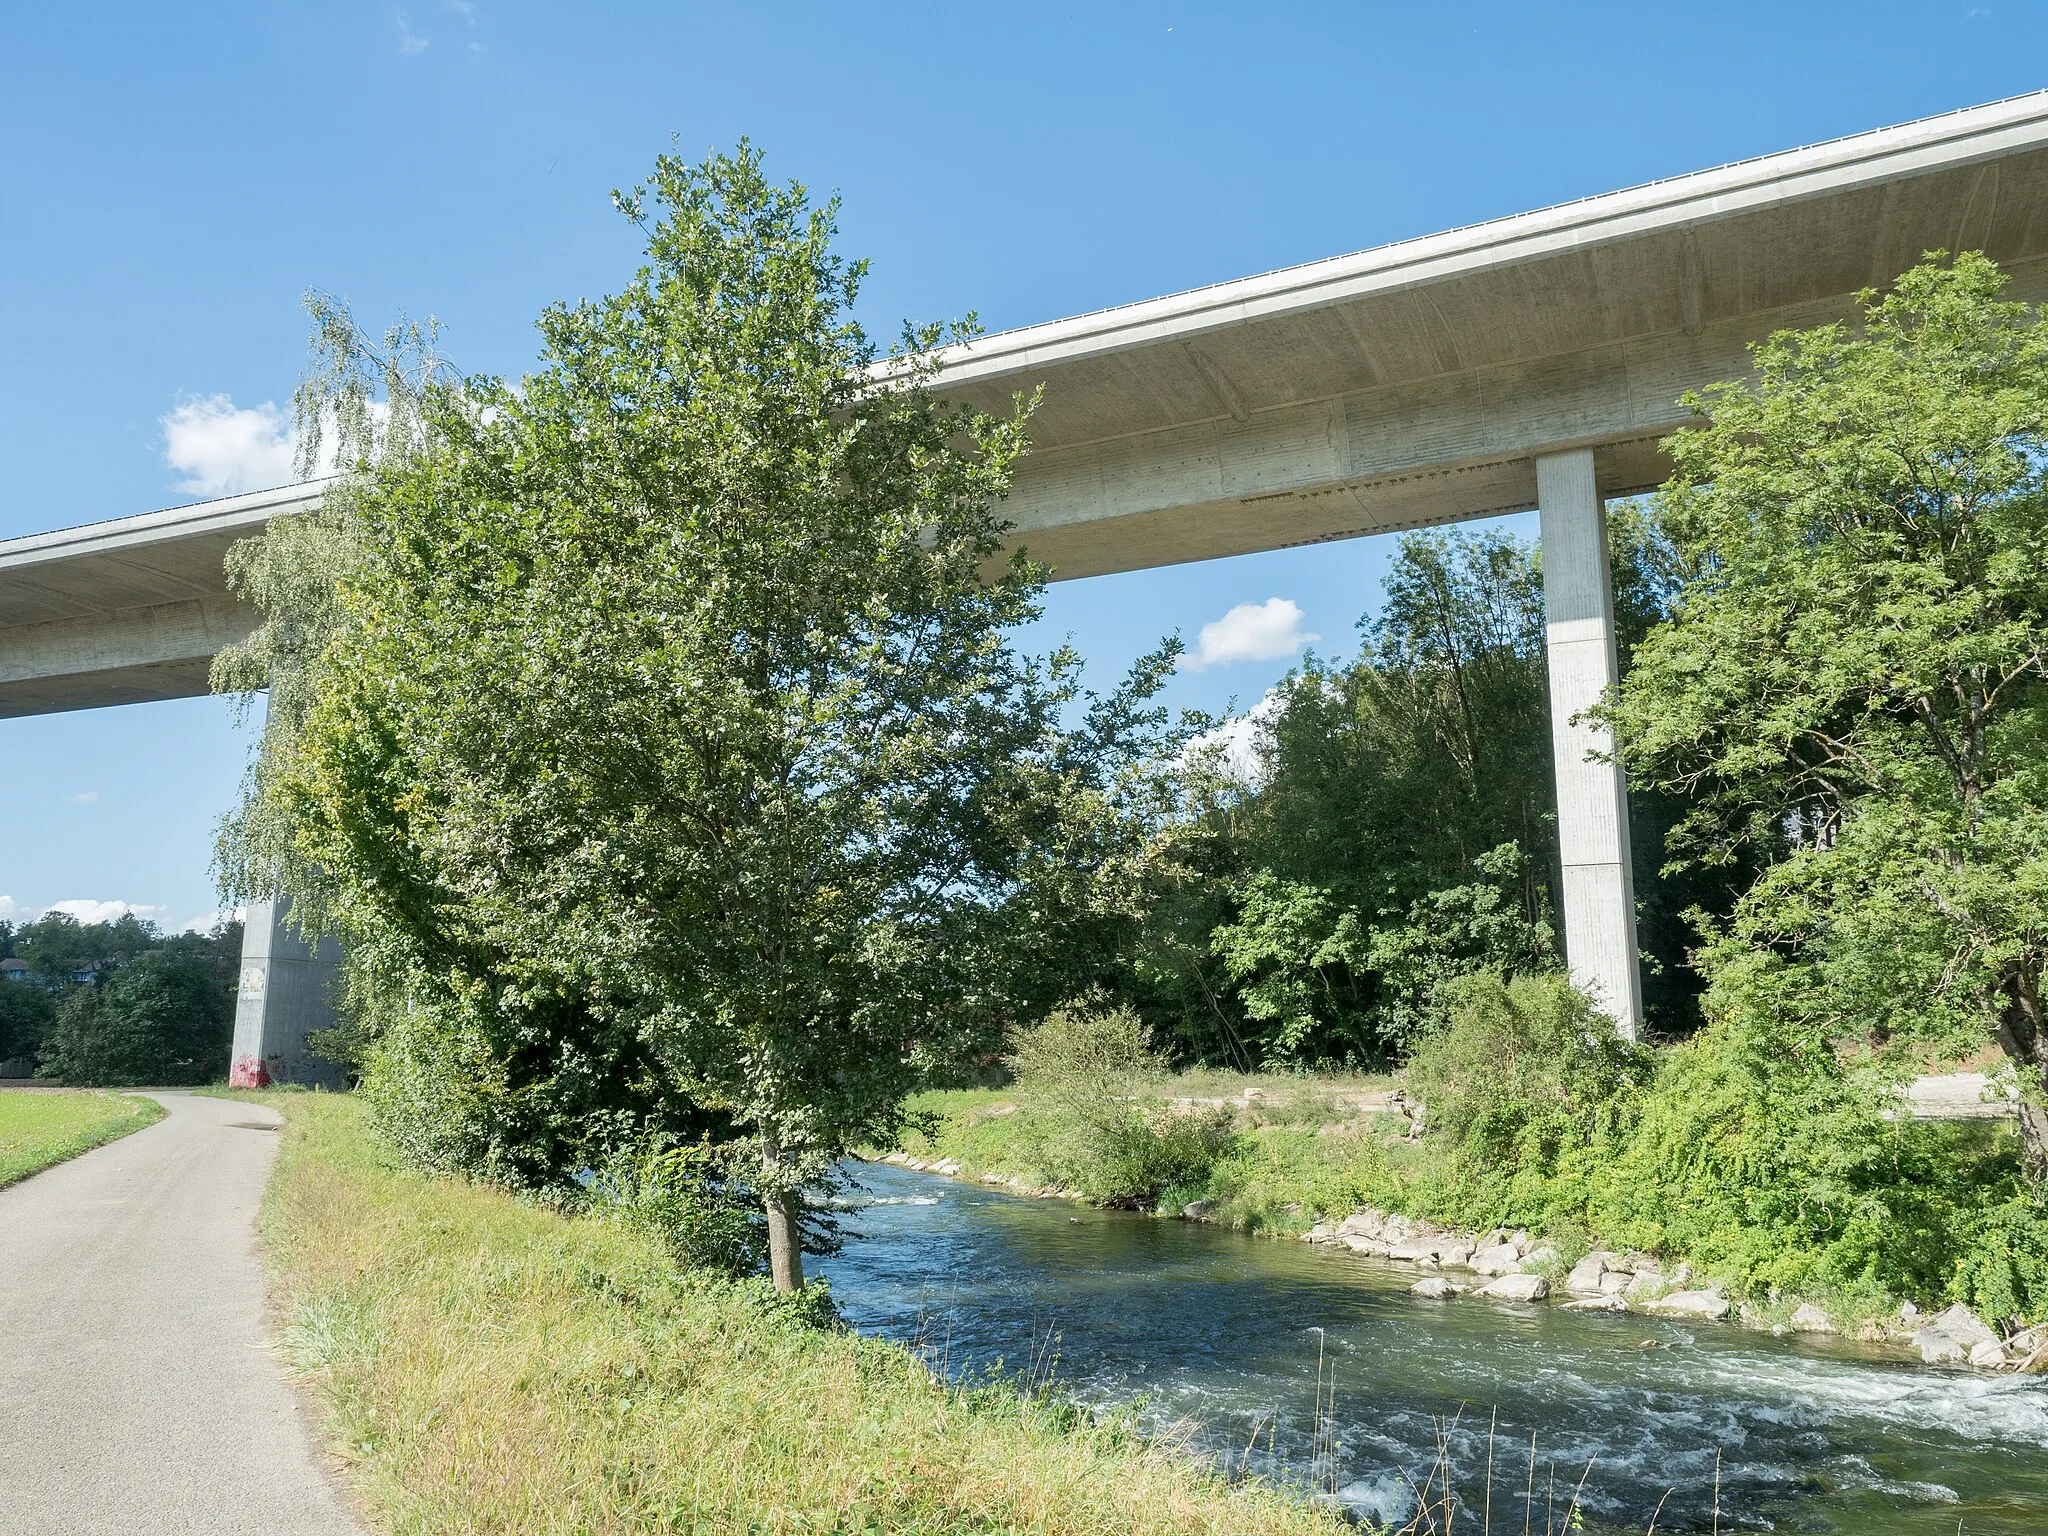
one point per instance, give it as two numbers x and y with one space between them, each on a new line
1533 361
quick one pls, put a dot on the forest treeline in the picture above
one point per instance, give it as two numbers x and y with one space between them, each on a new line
1391 824
120 1002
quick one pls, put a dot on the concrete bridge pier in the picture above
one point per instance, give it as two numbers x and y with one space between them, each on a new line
287 991
1592 797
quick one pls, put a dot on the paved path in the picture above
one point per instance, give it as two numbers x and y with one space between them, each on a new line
136 1393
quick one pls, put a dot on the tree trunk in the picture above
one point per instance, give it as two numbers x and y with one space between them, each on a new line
785 1240
2021 1036
2034 1141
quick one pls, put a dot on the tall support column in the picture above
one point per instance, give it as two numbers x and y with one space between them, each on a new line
1592 798
286 992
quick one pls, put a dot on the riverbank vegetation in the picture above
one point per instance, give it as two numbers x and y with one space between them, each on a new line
1774 1182
40 1127
487 1364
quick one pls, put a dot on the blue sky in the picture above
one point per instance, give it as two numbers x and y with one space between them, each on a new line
172 177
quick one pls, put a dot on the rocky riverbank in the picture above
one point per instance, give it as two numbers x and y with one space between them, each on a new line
1519 1267
1524 1268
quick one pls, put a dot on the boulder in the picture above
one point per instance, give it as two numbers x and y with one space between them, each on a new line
1516 1288
1965 1325
1198 1210
1953 1337
1681 1277
1641 1264
1542 1256
1368 1245
1521 1239
1644 1284
1435 1287
1455 1250
1361 1224
1807 1318
1501 1259
1989 1355
1614 1282
1597 1304
1710 1305
1321 1232
1587 1274
1413 1251
1938 1347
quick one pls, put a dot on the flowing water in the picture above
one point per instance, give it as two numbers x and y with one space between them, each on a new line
1225 1336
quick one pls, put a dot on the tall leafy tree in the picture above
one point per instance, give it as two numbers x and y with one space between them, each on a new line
668 716
1851 689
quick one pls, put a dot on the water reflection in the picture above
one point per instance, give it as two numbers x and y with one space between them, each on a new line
1223 1332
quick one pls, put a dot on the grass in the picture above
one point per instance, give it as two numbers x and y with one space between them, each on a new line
39 1127
487 1365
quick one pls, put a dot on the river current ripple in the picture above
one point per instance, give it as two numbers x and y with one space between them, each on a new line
1221 1335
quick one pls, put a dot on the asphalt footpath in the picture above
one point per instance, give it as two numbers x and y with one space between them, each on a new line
137 1390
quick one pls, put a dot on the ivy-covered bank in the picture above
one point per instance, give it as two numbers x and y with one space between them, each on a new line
1781 1184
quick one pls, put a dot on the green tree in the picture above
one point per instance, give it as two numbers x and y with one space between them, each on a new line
667 722
1850 690
165 1017
26 1010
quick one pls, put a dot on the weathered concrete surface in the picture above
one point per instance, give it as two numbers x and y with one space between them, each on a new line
287 990
136 1390
1592 800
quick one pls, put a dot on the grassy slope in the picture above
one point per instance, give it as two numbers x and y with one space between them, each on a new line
491 1366
39 1127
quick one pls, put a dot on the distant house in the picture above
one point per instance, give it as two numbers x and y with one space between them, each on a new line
13 970
86 972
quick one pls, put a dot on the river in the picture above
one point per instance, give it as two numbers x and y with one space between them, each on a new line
1225 1336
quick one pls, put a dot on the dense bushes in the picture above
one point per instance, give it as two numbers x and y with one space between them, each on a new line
1759 1155
1526 1087
1097 1129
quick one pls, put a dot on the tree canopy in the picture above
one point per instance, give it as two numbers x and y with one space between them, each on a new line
1850 688
667 738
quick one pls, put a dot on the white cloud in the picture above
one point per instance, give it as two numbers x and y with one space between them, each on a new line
12 911
1237 748
206 922
410 41
222 448
85 798
1249 632
89 911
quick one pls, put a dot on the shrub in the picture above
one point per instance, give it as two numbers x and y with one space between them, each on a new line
1524 1084
1768 1161
1751 1149
1090 1065
689 1198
